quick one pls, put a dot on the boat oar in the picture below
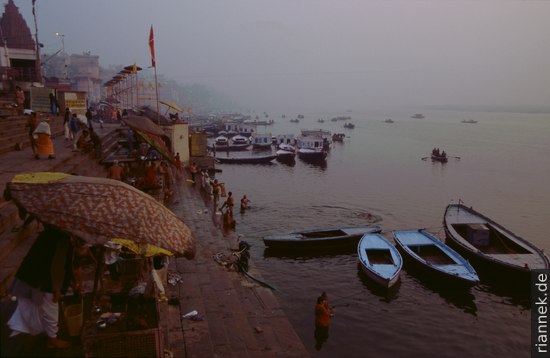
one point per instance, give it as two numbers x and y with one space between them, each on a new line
456 157
424 158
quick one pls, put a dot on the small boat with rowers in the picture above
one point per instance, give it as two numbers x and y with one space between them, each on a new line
379 259
349 125
439 156
489 245
330 237
434 257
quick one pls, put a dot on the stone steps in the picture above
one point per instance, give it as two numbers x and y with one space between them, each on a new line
16 240
14 135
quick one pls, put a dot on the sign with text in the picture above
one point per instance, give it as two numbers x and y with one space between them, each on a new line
75 101
540 286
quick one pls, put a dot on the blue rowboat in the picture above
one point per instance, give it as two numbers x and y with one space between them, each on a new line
380 260
435 257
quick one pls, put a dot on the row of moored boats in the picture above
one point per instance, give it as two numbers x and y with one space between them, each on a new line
473 240
311 144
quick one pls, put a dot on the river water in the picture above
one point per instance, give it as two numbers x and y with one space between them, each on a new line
503 171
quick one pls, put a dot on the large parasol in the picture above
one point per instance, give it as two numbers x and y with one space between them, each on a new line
172 105
150 132
99 209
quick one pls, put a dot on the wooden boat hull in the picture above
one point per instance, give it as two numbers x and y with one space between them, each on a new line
439 158
341 236
232 147
247 160
434 258
379 259
285 155
310 154
494 249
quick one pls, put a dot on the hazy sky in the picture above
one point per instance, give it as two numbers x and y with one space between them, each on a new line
325 54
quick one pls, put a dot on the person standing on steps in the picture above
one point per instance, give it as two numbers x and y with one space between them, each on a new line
43 277
31 125
66 124
44 144
193 170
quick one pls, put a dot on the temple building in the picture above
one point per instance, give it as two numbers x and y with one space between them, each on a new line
22 64
19 63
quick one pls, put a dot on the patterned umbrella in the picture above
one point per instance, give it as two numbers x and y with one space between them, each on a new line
99 209
150 132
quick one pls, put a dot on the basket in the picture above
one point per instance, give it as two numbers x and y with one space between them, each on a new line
74 318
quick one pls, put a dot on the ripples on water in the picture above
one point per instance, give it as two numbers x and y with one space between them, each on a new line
502 171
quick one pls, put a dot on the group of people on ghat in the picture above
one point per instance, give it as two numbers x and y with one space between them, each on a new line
83 137
216 189
148 175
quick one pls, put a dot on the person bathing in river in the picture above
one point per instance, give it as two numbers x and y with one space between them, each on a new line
323 314
244 203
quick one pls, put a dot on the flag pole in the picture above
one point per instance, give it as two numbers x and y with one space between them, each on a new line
157 91
154 64
37 65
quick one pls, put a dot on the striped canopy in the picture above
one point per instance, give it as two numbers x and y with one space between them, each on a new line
99 209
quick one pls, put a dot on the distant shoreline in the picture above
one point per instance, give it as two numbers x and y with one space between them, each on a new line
483 108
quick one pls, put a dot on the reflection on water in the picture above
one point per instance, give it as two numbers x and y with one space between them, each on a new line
385 294
315 163
460 297
378 170
306 253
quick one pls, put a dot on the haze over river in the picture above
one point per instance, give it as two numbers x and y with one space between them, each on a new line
503 171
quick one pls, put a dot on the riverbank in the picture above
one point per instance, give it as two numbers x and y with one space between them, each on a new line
239 316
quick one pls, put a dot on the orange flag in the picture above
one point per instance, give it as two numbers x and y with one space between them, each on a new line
152 46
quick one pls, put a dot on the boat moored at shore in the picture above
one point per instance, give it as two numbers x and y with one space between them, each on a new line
491 246
379 259
340 236
254 159
436 259
311 148
261 141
